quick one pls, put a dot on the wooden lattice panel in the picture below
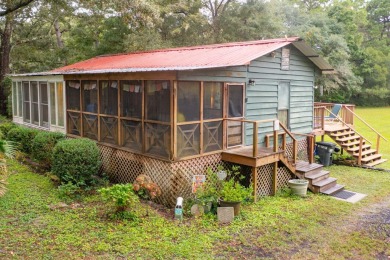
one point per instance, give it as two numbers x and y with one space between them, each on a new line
302 150
284 175
264 180
174 179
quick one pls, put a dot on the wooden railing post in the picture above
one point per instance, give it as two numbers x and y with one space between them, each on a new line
276 141
255 138
360 151
322 118
284 142
378 139
311 148
295 151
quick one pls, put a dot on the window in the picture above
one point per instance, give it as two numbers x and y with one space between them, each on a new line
34 103
26 102
60 103
20 100
14 99
212 100
44 105
235 110
285 63
53 118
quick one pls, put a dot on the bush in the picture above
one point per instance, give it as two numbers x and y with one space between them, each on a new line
6 127
23 136
43 144
76 161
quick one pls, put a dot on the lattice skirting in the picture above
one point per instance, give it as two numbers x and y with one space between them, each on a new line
174 178
264 179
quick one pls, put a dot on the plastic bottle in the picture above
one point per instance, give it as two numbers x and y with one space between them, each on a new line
179 209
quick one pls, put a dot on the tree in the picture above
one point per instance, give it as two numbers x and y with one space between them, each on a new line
8 9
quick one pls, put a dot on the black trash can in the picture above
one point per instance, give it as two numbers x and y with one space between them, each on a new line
324 150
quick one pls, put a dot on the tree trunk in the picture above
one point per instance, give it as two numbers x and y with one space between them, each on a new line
5 49
60 42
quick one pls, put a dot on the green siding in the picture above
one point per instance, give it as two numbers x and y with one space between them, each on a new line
263 97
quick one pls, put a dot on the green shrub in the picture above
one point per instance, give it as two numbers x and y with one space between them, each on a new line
6 127
76 161
23 137
43 144
123 197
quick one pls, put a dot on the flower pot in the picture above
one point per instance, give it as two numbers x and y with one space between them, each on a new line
234 204
298 187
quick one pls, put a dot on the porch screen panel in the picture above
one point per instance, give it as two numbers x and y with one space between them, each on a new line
131 111
90 109
212 116
26 102
44 104
157 100
60 103
73 95
73 91
14 99
108 111
52 87
34 102
131 96
157 118
20 99
188 101
212 100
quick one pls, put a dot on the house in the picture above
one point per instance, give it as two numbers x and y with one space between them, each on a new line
173 113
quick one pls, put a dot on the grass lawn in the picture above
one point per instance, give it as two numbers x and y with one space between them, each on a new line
283 227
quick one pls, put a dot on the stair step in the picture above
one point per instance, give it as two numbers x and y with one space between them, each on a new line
317 176
324 184
356 148
370 158
333 189
365 152
352 143
305 167
371 164
349 138
336 134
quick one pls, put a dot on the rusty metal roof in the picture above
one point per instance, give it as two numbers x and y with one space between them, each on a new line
188 58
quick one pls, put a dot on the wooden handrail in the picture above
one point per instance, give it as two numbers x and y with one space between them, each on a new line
361 119
295 142
342 121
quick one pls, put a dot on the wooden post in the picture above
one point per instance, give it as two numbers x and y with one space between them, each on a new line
276 141
267 141
377 143
295 152
255 139
275 178
284 142
323 120
360 151
254 179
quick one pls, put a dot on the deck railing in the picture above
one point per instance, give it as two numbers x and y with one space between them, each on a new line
323 110
280 131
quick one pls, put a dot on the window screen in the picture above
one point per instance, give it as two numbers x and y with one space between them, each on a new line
188 101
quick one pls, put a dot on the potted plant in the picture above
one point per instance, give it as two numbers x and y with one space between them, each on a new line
208 194
232 192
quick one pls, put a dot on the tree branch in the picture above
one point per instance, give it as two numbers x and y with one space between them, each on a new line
15 7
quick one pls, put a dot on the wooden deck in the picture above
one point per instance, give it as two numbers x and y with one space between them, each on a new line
244 155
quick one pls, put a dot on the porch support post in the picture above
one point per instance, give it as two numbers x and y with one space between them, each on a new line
254 183
275 178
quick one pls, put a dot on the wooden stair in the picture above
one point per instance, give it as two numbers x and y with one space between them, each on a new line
319 179
350 141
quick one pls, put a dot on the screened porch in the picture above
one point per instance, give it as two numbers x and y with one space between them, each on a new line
166 119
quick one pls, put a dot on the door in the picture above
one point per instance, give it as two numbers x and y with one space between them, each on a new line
235 110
